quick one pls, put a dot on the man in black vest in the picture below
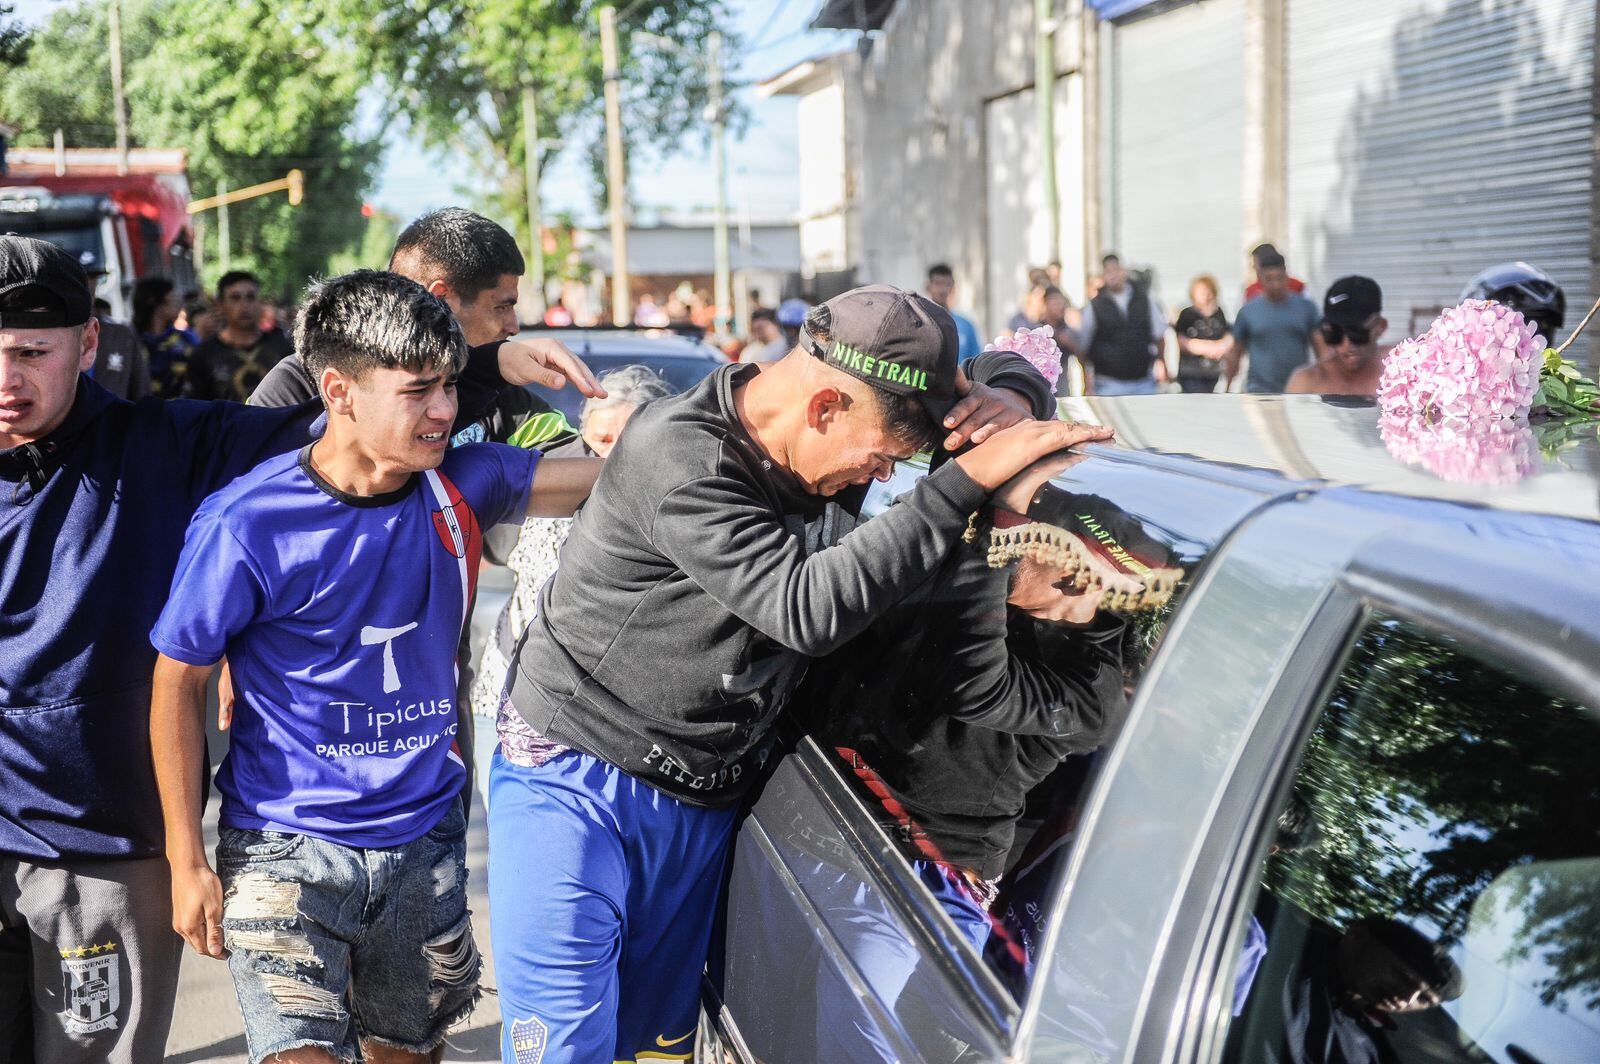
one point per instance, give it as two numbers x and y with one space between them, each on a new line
1123 330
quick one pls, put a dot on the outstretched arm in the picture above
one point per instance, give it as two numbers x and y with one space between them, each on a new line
723 534
561 484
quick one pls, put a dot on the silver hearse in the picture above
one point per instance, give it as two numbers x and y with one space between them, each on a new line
1342 802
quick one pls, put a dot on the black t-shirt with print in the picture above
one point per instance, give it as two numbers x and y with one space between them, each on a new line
218 370
1198 326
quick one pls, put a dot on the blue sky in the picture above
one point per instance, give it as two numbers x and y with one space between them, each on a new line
761 162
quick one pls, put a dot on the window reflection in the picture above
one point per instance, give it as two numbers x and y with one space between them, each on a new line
1446 906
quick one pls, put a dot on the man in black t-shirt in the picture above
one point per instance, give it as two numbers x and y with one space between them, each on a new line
232 363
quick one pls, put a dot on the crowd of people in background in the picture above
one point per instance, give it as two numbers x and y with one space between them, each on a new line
190 345
1121 340
1278 341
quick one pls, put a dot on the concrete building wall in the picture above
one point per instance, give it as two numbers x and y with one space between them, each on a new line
920 140
824 177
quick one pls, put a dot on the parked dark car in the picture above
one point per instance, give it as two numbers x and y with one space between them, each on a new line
1350 810
681 359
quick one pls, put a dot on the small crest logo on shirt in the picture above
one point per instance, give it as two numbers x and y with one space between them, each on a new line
528 1040
93 988
454 523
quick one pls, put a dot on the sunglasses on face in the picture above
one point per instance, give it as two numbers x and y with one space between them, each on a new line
1335 333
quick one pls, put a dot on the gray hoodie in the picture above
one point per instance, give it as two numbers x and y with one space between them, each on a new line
699 580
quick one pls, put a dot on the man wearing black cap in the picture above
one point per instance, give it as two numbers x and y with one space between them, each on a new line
95 497
1352 321
708 567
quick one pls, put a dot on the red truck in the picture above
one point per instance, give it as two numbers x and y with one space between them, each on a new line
122 227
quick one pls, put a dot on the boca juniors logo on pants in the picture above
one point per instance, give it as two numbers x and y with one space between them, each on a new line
93 987
528 1039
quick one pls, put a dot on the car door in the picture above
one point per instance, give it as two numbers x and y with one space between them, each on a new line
1397 856
850 934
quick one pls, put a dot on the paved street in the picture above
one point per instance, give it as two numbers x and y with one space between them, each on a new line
207 1028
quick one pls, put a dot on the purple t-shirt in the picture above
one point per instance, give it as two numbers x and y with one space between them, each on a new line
340 617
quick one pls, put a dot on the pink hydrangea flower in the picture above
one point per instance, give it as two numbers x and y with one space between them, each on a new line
1478 362
1038 346
1467 452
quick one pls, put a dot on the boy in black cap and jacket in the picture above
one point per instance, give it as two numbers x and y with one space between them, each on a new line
693 591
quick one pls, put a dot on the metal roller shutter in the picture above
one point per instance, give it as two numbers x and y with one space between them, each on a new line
1428 140
1019 225
1176 145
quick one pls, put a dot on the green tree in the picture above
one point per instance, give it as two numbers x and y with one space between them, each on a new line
254 88
13 40
249 88
377 244
455 70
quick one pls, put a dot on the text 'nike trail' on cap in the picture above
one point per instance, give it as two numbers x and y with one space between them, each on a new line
895 340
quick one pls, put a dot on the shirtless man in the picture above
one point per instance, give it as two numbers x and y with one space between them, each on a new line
1352 321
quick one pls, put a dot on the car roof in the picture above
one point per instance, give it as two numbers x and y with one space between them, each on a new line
635 343
1338 442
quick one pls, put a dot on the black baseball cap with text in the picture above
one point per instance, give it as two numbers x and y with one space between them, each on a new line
41 286
897 341
1352 301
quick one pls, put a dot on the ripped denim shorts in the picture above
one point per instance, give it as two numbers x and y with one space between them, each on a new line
333 945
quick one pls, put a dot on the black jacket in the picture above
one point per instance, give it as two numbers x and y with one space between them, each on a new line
956 705
1121 346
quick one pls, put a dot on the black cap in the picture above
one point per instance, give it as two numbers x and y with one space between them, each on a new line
898 341
41 285
1351 301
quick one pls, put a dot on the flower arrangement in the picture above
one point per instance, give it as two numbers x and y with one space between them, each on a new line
1479 361
1038 346
1456 399
1483 361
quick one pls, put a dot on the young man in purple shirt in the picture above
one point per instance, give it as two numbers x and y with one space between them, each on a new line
337 581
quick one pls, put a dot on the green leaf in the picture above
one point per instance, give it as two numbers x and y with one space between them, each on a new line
1563 389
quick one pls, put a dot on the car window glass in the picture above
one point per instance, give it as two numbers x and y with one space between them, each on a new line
970 719
1431 891
681 372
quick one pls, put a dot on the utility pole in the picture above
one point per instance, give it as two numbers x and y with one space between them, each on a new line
616 177
721 290
294 183
1044 91
222 225
1089 64
530 168
118 103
